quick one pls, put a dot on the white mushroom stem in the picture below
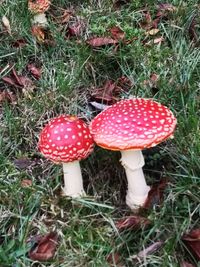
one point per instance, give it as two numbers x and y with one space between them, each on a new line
133 161
73 182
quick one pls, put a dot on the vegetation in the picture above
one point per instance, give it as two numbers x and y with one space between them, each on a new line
31 201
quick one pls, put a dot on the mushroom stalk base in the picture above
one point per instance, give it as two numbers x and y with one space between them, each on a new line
73 182
133 161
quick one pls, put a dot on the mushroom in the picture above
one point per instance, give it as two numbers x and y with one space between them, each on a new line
38 9
66 139
130 126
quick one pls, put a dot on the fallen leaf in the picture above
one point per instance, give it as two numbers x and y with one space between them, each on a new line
146 23
101 41
154 77
23 163
6 95
192 30
65 16
124 83
152 82
131 222
158 40
114 260
186 264
120 3
39 33
43 35
117 33
76 29
98 106
35 71
155 195
166 7
26 183
6 24
152 32
44 248
192 241
110 92
105 93
19 43
19 81
150 249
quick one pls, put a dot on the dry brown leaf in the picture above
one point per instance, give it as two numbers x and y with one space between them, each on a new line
105 94
146 23
114 260
158 40
154 77
192 30
150 249
117 33
5 96
45 247
152 32
19 81
6 24
131 222
110 92
155 195
166 7
186 264
192 241
124 83
119 3
23 163
64 18
98 106
26 183
76 29
35 71
19 43
101 41
39 33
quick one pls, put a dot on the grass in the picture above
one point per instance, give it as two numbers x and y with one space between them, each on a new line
87 231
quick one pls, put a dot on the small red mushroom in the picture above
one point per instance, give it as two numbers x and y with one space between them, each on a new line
130 126
66 139
38 9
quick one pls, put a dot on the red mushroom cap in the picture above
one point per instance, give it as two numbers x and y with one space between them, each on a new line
38 6
132 124
66 138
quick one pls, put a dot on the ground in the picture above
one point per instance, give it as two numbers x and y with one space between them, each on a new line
167 71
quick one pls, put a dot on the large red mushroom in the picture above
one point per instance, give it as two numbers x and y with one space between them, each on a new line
130 126
66 139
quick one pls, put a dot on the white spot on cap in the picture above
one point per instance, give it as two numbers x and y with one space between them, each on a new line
66 136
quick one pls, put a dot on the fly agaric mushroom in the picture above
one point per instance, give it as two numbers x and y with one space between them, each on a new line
38 9
130 126
66 139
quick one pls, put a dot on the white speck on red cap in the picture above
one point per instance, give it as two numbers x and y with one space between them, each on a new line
60 144
139 123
